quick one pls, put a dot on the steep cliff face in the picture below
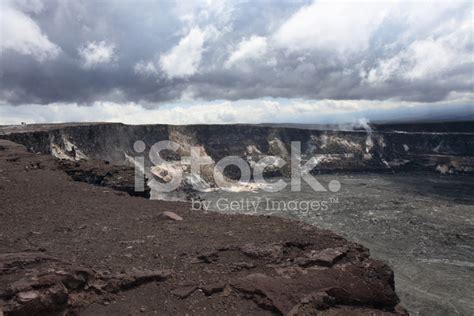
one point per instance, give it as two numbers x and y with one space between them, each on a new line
358 150
324 150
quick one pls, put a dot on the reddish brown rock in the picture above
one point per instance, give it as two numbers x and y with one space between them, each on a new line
243 265
28 296
213 288
325 258
262 251
184 291
50 285
85 271
346 285
208 256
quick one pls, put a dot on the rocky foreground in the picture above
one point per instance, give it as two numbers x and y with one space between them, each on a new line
69 247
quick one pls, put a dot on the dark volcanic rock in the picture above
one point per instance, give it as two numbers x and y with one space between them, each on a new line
122 259
120 178
326 257
346 284
213 288
262 251
48 285
184 291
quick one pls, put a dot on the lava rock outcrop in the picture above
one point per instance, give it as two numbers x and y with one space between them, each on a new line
68 247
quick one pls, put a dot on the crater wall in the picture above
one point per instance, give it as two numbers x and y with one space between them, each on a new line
357 150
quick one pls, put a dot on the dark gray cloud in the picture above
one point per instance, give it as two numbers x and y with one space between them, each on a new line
86 51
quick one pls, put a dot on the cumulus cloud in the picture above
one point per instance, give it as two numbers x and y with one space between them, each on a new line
447 49
23 35
97 53
146 68
164 53
28 6
331 25
252 48
184 59
422 59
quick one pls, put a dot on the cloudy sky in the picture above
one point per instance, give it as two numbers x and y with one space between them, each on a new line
234 61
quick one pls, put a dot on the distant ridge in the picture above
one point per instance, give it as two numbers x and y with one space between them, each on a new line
466 126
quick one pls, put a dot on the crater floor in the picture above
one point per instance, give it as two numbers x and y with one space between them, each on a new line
422 224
